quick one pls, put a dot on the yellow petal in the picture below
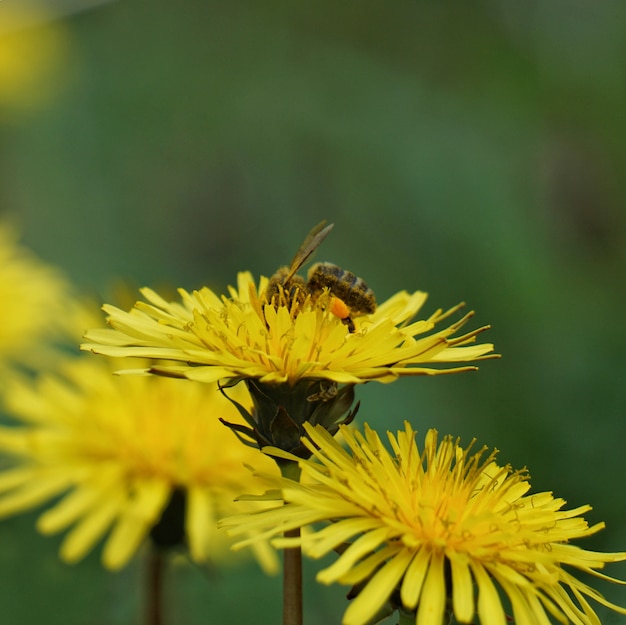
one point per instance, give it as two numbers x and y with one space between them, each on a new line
31 494
200 523
70 508
414 579
432 602
489 605
84 535
135 520
11 478
367 543
334 535
373 596
527 608
76 503
462 588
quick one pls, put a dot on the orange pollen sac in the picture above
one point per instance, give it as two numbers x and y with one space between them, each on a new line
339 308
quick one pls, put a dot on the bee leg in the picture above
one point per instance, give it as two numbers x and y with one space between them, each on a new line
348 322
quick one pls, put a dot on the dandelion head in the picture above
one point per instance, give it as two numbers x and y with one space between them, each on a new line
130 458
434 530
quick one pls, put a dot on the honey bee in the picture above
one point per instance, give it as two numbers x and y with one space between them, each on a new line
350 293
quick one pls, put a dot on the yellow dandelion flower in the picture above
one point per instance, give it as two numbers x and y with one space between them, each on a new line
436 530
218 338
299 346
131 457
37 310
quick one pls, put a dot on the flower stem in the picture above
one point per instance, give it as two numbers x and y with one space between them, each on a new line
404 618
292 583
154 588
292 564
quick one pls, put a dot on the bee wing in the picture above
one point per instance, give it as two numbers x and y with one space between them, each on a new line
311 243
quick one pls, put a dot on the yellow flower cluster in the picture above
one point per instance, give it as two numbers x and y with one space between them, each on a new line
435 532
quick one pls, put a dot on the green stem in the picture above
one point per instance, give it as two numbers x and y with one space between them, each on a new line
154 588
292 564
404 618
292 583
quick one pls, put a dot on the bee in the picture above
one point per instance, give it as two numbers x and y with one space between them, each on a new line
350 293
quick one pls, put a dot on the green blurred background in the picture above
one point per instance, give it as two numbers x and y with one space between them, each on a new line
473 150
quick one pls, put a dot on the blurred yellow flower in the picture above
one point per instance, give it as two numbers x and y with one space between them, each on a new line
33 55
138 456
241 336
37 309
433 530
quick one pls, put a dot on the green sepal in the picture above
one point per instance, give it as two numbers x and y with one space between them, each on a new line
279 412
284 431
249 419
240 431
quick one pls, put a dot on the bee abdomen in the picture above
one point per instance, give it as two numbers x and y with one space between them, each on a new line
342 284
